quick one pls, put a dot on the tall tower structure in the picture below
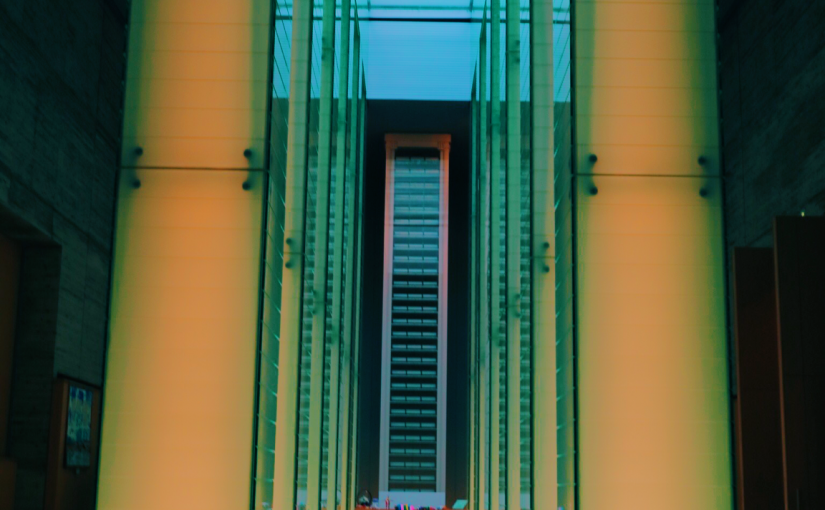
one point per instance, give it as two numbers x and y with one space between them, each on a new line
414 343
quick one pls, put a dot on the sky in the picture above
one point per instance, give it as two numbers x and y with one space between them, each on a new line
415 60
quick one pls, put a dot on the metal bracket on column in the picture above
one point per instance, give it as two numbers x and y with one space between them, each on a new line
516 306
544 247
290 263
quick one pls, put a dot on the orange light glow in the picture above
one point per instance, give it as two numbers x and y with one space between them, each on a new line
179 392
177 430
653 415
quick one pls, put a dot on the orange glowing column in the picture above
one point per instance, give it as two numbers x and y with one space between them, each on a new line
180 374
653 417
177 429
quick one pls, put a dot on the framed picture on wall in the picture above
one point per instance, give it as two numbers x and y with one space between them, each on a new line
79 427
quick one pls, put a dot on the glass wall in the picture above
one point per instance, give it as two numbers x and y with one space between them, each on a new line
268 355
354 331
651 357
544 453
326 346
352 279
564 274
520 156
320 440
503 343
309 257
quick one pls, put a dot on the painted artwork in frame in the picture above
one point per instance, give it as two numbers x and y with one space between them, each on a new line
79 428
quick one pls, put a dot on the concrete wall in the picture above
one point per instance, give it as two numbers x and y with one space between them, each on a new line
772 74
61 69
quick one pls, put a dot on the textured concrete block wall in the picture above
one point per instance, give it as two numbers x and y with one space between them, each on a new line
772 78
61 72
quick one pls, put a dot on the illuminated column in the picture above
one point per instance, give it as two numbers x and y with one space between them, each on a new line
181 358
543 227
653 419
293 270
